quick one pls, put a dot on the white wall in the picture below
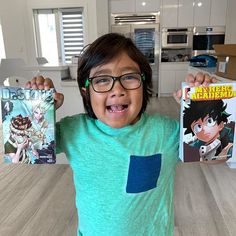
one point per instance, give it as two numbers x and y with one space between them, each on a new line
102 17
13 17
230 22
17 23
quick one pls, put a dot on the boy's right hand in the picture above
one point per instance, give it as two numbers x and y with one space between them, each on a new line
40 82
197 80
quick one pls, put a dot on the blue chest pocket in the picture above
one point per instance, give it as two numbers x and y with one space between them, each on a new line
143 173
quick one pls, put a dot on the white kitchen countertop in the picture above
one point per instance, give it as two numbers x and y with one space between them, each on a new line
47 67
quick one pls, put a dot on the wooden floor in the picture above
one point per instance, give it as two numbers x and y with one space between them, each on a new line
39 200
205 202
165 106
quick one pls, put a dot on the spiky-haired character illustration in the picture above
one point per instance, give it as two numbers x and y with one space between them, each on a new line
18 145
206 121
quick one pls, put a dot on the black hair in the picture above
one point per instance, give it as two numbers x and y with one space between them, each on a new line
200 109
100 52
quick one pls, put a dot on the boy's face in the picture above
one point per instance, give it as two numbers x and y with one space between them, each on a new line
206 130
118 107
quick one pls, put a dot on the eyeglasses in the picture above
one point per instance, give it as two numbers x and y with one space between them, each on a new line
105 83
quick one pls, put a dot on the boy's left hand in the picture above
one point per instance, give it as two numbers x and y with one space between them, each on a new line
194 81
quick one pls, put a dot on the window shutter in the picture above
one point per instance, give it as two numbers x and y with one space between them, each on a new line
72 32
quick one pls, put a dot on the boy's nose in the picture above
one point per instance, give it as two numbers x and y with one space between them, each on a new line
118 89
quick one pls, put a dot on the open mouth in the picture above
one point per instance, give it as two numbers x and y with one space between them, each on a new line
117 108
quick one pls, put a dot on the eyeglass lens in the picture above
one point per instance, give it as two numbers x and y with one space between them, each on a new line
106 82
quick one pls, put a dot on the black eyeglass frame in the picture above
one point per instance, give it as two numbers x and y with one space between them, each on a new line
114 78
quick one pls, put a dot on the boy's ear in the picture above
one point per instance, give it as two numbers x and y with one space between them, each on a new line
83 90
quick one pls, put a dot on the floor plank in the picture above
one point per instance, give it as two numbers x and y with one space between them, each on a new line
38 200
197 211
164 105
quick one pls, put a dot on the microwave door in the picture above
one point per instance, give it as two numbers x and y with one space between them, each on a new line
177 39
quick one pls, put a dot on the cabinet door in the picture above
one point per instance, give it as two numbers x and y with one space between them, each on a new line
202 12
185 13
179 78
147 6
167 82
169 14
122 6
218 12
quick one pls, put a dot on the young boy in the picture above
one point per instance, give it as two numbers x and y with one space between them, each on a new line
123 160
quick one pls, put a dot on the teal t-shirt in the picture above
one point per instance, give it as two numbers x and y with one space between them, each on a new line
123 176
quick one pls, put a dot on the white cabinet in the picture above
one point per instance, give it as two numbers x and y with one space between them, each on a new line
102 17
171 76
180 76
202 10
167 82
147 5
134 6
169 13
218 12
185 13
122 6
210 12
177 13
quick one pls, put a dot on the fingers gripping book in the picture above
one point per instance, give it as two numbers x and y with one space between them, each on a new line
28 121
207 123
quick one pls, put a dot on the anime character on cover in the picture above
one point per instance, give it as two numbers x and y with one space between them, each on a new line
16 148
28 130
39 126
207 122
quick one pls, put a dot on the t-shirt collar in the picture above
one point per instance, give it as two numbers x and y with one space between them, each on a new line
119 131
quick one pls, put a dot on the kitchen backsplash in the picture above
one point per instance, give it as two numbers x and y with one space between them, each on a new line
176 55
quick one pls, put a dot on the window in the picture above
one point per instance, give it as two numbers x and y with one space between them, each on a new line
73 36
59 33
46 36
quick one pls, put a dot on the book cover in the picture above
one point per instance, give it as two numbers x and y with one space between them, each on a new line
28 125
207 123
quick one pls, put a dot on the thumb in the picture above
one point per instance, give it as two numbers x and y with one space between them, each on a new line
59 99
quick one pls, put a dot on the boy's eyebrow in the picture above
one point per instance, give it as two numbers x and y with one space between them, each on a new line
101 72
123 70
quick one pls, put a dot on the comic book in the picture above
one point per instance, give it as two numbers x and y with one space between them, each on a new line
207 123
28 125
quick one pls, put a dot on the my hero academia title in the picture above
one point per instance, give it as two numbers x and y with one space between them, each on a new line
24 94
213 92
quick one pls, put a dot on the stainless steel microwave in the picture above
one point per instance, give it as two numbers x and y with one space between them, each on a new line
177 37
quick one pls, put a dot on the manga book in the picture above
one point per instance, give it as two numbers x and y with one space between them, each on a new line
28 125
207 123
